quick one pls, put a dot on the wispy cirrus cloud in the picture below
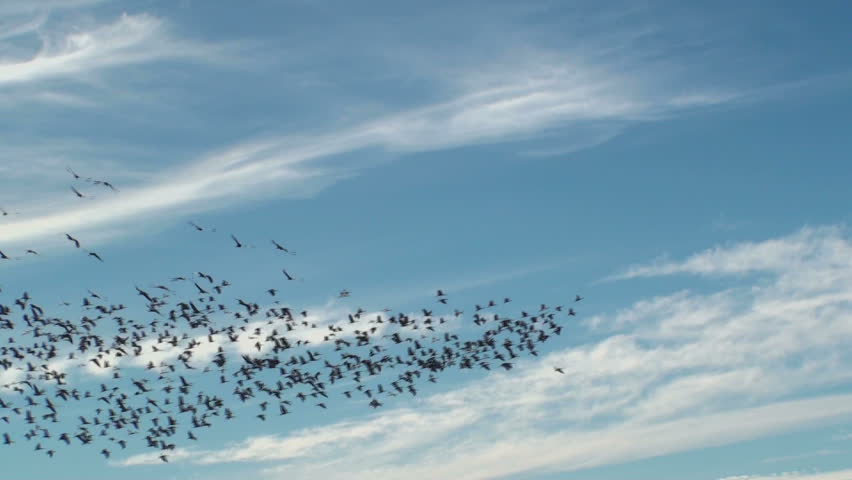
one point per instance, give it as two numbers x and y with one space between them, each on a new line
777 255
299 165
683 371
583 97
796 475
131 39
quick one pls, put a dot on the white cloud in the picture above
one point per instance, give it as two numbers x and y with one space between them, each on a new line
293 165
131 39
832 475
678 372
777 255
818 453
14 29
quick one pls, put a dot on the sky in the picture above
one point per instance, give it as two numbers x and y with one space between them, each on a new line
682 165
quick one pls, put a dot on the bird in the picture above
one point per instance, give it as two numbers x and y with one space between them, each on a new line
106 184
278 246
167 400
74 240
236 242
77 192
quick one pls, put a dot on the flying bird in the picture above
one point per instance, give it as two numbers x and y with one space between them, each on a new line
74 240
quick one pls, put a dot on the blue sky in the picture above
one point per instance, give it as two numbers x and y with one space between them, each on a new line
683 165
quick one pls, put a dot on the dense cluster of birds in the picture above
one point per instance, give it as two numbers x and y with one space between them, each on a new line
197 355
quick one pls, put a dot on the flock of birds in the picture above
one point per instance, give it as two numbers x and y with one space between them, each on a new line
196 356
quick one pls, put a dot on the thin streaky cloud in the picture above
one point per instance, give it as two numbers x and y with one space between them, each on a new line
687 371
795 475
131 39
294 164
27 6
747 257
15 29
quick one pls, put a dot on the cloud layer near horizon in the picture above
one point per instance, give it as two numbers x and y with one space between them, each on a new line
680 371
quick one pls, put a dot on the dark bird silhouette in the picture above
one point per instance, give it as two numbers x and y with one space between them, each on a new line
77 192
188 329
278 246
73 240
236 242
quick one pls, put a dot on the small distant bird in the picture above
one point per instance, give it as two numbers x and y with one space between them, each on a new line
559 369
77 192
95 255
106 184
68 169
287 275
76 242
278 246
236 242
577 298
